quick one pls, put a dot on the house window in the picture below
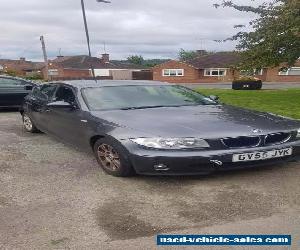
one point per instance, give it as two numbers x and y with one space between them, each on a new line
294 71
215 72
173 72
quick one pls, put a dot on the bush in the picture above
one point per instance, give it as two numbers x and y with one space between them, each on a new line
36 77
246 84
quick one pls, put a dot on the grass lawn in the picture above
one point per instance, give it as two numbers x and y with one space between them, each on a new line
282 102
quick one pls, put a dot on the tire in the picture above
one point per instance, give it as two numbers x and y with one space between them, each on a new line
111 156
28 124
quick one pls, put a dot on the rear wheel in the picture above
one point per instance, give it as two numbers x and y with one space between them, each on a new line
111 156
28 124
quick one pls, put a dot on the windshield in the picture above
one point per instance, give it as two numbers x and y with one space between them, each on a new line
142 97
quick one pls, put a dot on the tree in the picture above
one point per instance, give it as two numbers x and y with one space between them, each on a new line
274 36
136 59
185 55
150 63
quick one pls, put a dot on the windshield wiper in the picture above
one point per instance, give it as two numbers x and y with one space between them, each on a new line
143 107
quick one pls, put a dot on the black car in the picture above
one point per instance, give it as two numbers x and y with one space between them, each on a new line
13 90
155 128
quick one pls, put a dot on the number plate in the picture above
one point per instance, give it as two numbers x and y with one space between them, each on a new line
256 156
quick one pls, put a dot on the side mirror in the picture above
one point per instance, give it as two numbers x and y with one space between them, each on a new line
60 104
214 97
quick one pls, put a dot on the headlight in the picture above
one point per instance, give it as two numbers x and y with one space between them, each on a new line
171 143
298 134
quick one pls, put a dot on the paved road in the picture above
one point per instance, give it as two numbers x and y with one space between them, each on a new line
229 85
55 197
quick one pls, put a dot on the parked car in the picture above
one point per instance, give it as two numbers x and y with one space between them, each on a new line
13 90
155 128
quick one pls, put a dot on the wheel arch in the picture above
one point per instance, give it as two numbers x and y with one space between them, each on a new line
95 138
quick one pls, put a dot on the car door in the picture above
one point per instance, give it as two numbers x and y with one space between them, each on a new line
13 91
38 101
68 124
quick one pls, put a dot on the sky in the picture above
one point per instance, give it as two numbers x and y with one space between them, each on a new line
153 29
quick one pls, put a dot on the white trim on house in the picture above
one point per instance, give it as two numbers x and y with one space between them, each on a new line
293 71
53 72
215 71
173 72
108 72
101 72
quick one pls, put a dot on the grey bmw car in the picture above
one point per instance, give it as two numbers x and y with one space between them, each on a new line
155 128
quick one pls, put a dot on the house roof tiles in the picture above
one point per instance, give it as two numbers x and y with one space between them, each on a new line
216 60
85 62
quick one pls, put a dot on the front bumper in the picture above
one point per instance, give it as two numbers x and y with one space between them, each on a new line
191 162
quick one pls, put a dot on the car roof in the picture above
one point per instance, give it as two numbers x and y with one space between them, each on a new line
13 77
106 83
16 78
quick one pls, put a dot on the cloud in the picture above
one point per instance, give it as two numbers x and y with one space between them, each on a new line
154 29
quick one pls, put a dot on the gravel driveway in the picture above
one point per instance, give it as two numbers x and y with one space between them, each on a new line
55 197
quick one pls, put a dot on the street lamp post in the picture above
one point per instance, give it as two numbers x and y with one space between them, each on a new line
87 31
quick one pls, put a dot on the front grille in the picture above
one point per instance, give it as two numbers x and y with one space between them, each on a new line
242 141
277 138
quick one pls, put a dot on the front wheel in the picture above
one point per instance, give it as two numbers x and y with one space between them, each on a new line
28 124
111 156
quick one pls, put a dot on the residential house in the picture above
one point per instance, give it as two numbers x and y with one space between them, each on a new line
276 75
217 67
21 67
79 67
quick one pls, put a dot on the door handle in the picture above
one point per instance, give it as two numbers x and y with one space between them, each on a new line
84 121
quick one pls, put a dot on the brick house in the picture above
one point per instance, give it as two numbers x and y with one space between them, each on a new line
290 75
21 67
217 67
79 67
75 67
58 69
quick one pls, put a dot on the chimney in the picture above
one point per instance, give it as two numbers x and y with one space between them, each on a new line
201 52
22 59
104 58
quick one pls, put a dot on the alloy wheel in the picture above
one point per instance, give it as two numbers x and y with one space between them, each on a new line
27 123
108 157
